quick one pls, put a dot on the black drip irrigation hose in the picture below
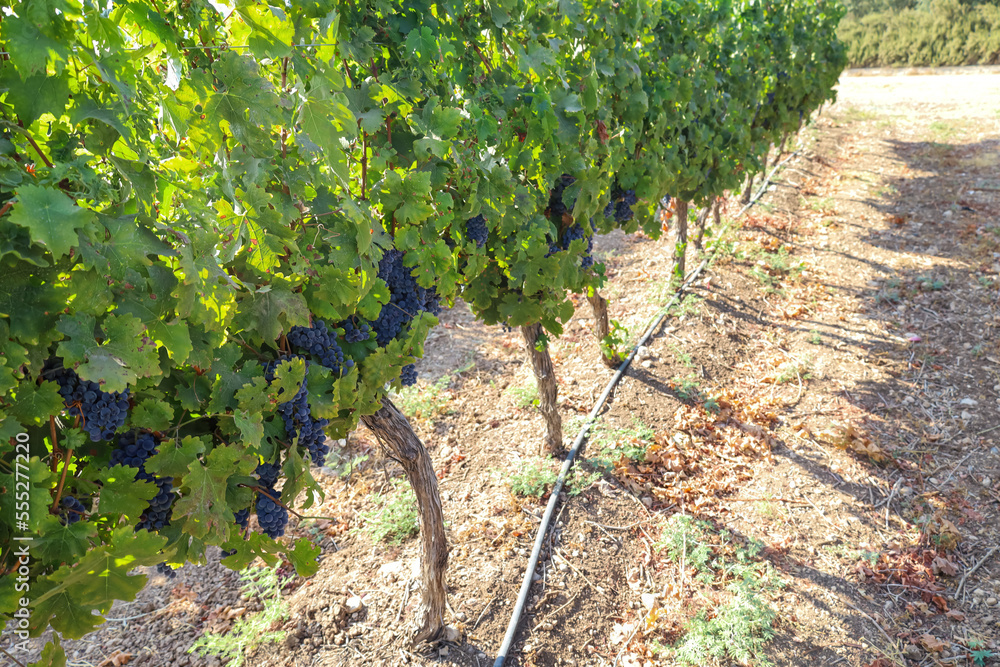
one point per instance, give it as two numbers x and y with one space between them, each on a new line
550 508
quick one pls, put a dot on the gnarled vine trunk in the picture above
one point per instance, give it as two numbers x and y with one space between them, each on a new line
602 328
680 244
397 438
763 173
702 219
548 392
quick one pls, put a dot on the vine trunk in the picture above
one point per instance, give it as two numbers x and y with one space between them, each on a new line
602 329
548 392
396 436
680 245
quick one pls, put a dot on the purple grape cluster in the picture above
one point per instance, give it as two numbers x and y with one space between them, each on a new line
476 230
268 473
133 449
243 518
354 333
320 342
299 422
166 570
161 507
271 516
557 207
101 413
406 298
621 204
408 377
73 510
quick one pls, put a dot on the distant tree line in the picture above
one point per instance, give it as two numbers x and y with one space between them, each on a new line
930 33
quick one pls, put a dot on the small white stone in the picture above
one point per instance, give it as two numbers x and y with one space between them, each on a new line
452 634
648 600
969 401
353 604
966 415
646 363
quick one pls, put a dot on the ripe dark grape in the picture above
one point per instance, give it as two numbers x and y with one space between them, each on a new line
320 342
166 570
268 473
132 449
354 333
621 204
406 298
101 413
243 518
557 207
73 510
271 516
409 375
572 234
476 230
299 422
160 509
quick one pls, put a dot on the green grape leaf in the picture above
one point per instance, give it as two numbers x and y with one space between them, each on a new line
123 354
251 427
57 543
52 655
303 557
173 460
288 378
153 414
226 380
50 216
40 482
272 312
68 597
203 499
256 545
122 493
34 404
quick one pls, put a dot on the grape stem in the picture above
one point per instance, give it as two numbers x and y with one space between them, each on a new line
55 443
16 661
62 480
6 207
261 491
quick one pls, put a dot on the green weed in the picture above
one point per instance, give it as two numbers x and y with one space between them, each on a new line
814 338
395 515
794 370
425 401
739 627
682 356
610 444
523 397
534 477
687 388
251 630
616 342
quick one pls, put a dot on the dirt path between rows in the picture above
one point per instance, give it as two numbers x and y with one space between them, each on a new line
809 444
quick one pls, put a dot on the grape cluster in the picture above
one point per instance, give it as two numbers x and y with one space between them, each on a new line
268 473
102 413
354 333
299 422
320 342
557 207
133 449
160 509
72 511
271 516
408 377
407 299
621 204
243 518
166 570
572 234
476 230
